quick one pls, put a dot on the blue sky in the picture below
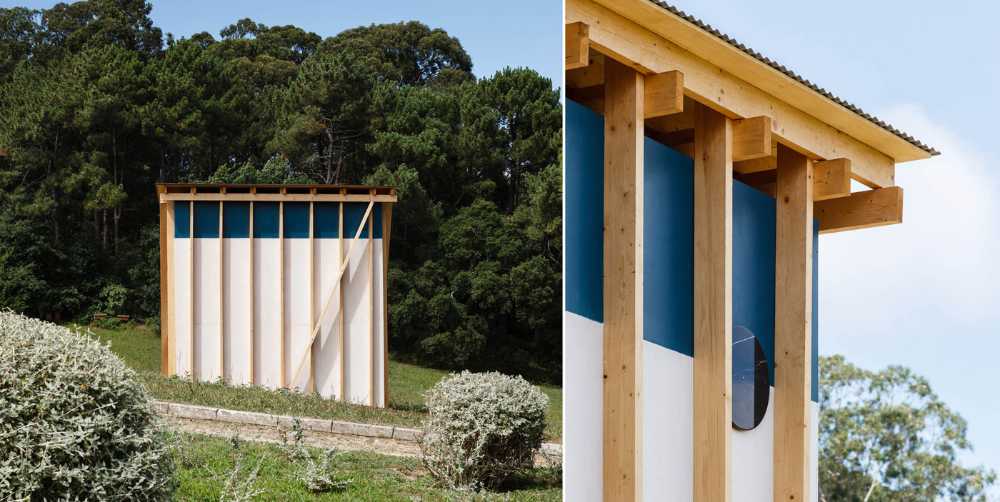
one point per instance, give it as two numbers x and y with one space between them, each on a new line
495 34
922 294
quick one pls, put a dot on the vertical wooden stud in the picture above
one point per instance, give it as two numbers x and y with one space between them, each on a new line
371 307
168 348
253 299
623 191
312 292
193 290
222 296
341 335
386 229
713 238
793 326
281 290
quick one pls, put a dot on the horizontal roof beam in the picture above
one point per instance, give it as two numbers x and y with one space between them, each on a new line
624 40
276 197
870 208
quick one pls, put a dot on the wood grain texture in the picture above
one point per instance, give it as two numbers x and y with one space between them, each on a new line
371 313
341 333
831 179
193 290
713 312
623 188
664 94
311 386
577 45
283 381
253 306
732 94
751 138
222 296
870 208
386 234
793 326
591 75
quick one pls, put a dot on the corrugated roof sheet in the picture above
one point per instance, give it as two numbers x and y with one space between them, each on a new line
791 74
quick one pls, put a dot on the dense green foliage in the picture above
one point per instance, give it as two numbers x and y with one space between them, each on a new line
886 436
97 106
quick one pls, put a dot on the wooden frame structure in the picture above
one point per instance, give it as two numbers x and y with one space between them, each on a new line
333 303
653 71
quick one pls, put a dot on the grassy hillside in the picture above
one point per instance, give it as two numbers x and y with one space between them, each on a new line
139 347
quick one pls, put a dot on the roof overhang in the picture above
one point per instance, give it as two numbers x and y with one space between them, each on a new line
728 78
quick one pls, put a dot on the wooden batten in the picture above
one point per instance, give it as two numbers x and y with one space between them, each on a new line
713 265
311 386
577 45
793 326
283 378
870 208
222 297
341 334
371 313
622 341
253 304
194 291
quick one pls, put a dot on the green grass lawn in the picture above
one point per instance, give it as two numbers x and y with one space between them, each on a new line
205 463
139 347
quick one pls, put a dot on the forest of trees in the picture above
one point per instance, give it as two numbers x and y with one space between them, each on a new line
98 105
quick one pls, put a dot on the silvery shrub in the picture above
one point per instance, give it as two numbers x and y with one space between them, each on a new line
482 429
75 424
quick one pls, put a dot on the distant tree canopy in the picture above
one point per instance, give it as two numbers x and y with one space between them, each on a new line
885 436
97 107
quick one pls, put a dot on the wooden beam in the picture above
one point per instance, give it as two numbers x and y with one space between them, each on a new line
832 179
664 94
577 45
793 326
626 41
278 197
713 310
757 165
751 138
167 345
591 75
623 190
871 208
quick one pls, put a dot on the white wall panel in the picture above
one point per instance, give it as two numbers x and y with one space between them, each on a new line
327 350
379 324
297 312
267 314
583 381
357 304
237 308
668 424
181 272
753 459
207 310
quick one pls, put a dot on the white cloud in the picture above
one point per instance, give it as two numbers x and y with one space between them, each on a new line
940 264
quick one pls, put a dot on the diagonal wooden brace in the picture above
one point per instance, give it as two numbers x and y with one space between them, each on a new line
336 286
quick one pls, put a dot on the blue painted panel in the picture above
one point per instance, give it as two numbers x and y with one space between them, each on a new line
668 248
206 220
236 220
182 220
753 266
584 202
327 224
265 220
354 211
296 220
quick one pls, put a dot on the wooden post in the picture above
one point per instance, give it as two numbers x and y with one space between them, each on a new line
623 189
281 292
386 230
713 243
371 309
341 344
166 251
193 290
793 326
253 300
222 296
311 386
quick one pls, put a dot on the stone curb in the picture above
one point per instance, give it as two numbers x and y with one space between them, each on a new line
406 434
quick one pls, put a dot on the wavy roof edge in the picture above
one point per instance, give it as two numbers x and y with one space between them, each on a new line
795 76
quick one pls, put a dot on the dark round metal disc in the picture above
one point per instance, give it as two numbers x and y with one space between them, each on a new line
751 389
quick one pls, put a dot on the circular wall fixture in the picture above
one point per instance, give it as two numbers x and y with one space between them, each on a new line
751 389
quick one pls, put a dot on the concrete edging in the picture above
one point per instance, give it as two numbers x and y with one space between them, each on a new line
196 412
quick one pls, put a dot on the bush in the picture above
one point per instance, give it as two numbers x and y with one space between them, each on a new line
74 422
482 428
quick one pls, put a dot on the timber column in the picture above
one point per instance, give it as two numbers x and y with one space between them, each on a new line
623 207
